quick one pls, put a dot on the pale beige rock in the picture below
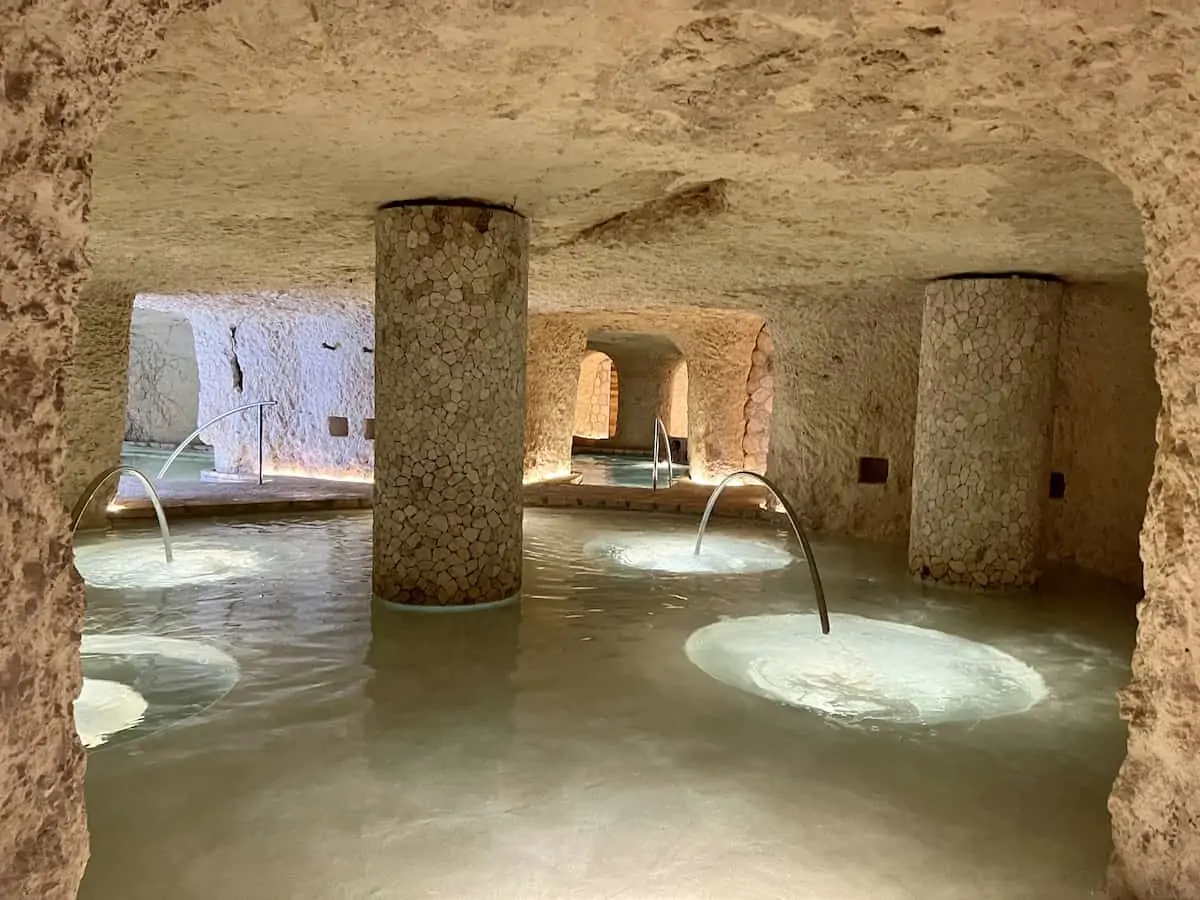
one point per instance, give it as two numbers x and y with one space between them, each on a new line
97 393
593 403
760 398
552 382
776 158
62 64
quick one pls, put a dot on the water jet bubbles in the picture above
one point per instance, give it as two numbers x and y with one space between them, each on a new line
140 683
866 670
719 554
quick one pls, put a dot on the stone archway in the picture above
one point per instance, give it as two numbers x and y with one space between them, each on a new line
596 404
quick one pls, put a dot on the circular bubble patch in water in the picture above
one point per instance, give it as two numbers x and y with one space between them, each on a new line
173 678
137 562
104 708
866 669
719 554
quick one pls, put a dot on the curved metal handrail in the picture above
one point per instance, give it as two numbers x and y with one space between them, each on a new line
229 412
660 429
90 492
822 609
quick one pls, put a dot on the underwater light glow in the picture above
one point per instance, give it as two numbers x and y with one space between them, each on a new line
104 708
147 680
866 669
720 554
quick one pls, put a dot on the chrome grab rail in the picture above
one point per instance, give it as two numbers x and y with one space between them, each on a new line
90 492
229 412
822 609
660 428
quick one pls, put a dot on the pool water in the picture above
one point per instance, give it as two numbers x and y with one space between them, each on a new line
187 467
621 470
569 747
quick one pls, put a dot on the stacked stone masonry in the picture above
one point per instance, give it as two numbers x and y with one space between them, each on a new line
594 401
760 402
450 318
989 352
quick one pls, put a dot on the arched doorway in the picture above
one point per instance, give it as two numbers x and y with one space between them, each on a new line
596 405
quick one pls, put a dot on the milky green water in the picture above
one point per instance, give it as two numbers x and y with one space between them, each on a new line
569 747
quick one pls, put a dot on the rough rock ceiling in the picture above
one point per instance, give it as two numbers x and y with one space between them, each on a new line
710 153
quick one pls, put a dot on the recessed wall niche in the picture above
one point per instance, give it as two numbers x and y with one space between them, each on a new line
369 429
872 470
339 426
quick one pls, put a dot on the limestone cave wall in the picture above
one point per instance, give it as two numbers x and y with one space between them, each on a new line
320 369
845 381
760 403
164 379
94 393
1103 438
593 403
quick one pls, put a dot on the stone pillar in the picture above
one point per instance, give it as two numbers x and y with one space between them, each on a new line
1155 804
985 402
644 391
552 388
96 394
451 285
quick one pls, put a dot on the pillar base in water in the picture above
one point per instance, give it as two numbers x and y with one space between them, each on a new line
437 608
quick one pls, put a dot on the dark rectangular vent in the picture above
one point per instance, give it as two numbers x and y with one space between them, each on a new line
1058 485
872 470
369 429
339 426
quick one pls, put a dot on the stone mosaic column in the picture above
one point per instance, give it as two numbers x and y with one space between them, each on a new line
981 463
451 285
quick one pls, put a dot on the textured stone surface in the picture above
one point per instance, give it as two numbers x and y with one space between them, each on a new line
1155 804
760 401
315 367
62 63
593 402
718 366
1105 405
981 460
96 393
643 388
450 325
552 377
845 387
677 413
164 381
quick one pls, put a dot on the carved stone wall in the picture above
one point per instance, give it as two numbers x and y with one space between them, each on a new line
96 389
552 391
981 464
1106 401
593 403
450 324
845 376
164 380
676 419
320 370
760 401
644 386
